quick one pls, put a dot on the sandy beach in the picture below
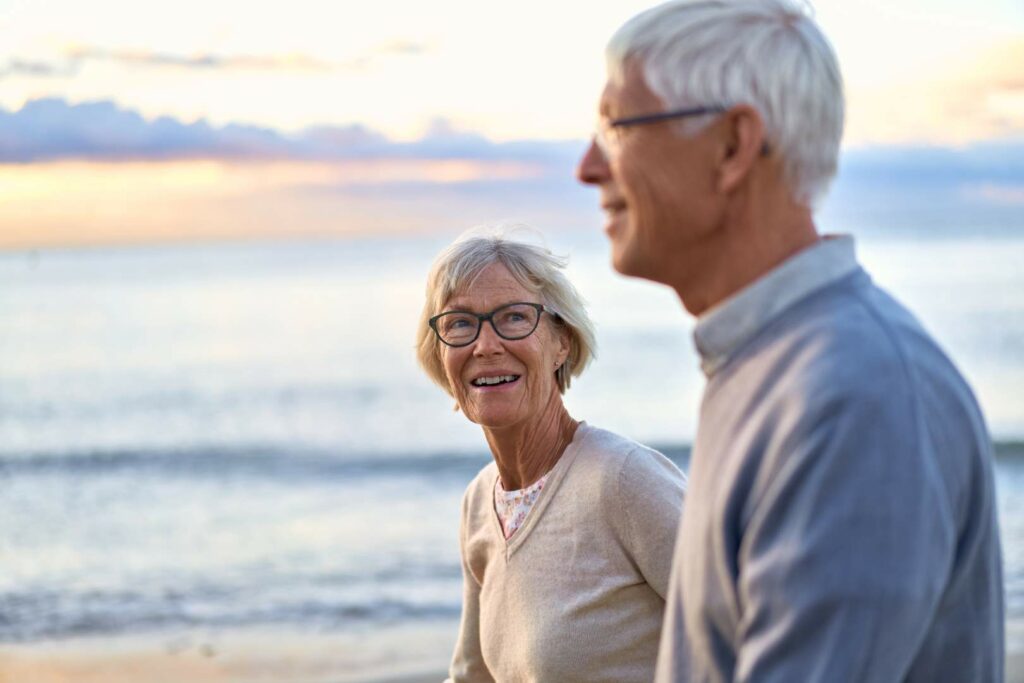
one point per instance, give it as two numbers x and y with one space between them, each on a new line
395 654
398 654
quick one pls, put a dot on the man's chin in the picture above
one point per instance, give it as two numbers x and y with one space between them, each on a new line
624 262
630 263
619 245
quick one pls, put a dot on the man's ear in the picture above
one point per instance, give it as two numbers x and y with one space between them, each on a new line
742 142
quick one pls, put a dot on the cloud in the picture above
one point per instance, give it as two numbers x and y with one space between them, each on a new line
453 170
75 57
1014 83
980 96
122 177
53 129
36 69
1009 195
202 61
401 47
886 188
990 90
992 161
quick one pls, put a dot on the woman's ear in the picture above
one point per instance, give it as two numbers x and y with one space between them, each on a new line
564 344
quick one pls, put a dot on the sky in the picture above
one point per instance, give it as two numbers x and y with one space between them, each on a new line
134 122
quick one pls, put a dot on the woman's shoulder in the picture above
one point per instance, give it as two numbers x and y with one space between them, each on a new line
622 458
610 442
480 491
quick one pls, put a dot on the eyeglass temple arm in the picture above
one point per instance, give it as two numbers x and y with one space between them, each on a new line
766 148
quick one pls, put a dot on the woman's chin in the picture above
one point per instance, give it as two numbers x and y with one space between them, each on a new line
496 423
494 419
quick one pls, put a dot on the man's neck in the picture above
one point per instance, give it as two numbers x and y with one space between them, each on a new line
743 250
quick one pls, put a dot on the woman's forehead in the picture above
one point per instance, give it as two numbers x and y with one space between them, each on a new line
491 287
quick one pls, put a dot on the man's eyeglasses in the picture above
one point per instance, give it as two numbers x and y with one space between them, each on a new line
511 321
607 134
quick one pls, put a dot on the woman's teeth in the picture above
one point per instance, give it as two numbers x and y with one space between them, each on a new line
491 381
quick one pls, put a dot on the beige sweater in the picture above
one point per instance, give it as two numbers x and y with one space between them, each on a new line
577 594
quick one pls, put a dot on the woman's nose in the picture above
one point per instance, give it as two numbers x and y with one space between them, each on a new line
488 342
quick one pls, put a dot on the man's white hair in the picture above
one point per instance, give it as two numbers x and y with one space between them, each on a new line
768 54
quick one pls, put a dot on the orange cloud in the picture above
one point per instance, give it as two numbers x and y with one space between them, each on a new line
75 202
290 62
977 98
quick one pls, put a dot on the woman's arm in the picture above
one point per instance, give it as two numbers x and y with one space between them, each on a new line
650 498
467 661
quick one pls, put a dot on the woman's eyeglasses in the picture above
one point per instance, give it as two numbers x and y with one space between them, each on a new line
511 321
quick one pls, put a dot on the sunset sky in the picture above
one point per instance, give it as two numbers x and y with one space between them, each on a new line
129 122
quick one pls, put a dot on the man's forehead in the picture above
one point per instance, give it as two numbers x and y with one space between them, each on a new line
629 92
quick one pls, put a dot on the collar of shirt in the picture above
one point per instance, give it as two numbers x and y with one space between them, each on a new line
727 326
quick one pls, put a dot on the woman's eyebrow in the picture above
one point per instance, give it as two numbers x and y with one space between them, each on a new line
469 309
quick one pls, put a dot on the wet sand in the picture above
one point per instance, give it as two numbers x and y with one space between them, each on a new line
398 654
1014 673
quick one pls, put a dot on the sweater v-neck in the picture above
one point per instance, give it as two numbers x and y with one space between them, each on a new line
555 476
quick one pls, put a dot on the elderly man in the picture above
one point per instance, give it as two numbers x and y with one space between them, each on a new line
841 523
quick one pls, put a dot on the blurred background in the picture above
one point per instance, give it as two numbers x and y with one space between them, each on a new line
218 457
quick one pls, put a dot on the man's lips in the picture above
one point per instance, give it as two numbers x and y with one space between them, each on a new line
614 211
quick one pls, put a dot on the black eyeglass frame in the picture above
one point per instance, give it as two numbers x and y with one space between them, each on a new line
666 115
643 119
481 318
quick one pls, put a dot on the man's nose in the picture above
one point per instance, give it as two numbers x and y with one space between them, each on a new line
593 168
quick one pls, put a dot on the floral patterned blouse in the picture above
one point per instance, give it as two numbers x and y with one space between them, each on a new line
513 506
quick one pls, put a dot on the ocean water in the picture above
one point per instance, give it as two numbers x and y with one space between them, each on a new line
237 436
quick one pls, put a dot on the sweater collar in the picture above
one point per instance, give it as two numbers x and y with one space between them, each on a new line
724 328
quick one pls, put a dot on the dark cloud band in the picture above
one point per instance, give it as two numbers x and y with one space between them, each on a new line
53 129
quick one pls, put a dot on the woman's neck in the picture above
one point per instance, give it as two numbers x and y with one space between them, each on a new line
526 452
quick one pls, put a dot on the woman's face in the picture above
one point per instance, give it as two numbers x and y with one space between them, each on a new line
531 361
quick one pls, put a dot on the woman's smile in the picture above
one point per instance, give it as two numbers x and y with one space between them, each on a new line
495 382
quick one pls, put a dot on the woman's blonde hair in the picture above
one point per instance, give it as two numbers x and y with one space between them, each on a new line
534 267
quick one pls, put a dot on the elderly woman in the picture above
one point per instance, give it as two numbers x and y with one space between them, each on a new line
567 537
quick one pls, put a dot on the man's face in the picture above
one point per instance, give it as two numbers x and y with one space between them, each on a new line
657 187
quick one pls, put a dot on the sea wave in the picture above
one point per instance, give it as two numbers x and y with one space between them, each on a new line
258 461
28 617
297 462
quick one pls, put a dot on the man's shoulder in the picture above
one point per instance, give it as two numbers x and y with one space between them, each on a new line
853 351
852 336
